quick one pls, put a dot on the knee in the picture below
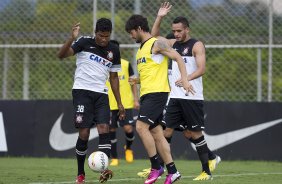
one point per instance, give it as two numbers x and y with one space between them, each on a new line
141 128
196 135
187 134
168 132
128 128
103 128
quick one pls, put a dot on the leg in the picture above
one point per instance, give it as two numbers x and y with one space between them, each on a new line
129 135
104 146
81 150
163 148
146 137
150 146
114 154
187 133
129 138
104 139
213 158
202 150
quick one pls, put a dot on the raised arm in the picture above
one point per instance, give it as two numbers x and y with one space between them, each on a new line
66 50
163 11
162 46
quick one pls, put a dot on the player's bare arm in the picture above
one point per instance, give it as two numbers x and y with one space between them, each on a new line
199 52
114 81
134 80
135 93
163 47
163 11
66 50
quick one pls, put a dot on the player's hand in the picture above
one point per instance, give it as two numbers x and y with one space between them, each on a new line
164 9
136 104
186 85
121 112
133 80
75 30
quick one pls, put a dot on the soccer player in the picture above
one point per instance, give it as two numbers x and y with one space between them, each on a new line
96 60
182 110
130 100
152 63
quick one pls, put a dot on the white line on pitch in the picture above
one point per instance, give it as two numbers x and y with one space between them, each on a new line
134 179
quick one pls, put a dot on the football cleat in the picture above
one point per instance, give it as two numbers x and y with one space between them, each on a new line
105 175
80 179
203 176
171 178
114 162
129 155
213 163
154 175
144 173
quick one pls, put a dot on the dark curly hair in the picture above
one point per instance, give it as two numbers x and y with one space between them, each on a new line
136 21
104 25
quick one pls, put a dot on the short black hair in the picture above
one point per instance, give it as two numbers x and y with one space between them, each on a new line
115 42
136 21
182 20
170 36
104 25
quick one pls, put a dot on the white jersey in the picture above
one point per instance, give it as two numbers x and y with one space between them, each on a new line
185 50
93 64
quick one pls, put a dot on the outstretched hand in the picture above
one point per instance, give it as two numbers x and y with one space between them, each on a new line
75 30
164 9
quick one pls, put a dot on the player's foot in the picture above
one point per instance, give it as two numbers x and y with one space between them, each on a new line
171 178
105 175
80 179
213 163
144 173
153 176
114 162
203 176
129 155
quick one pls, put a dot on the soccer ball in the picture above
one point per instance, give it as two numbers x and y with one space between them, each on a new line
98 161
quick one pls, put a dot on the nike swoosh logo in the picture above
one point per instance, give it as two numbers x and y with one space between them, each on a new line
221 140
61 141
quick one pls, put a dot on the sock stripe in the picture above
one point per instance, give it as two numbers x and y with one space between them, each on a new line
80 152
130 139
104 146
113 141
203 142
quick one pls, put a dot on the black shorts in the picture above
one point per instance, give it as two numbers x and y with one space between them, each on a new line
184 114
151 108
116 122
90 108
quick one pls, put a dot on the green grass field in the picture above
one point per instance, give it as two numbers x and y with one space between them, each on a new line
23 170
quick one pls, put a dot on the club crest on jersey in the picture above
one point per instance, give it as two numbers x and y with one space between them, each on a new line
141 60
110 55
185 51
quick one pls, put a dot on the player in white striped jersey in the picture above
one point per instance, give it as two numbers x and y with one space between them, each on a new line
185 111
96 60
